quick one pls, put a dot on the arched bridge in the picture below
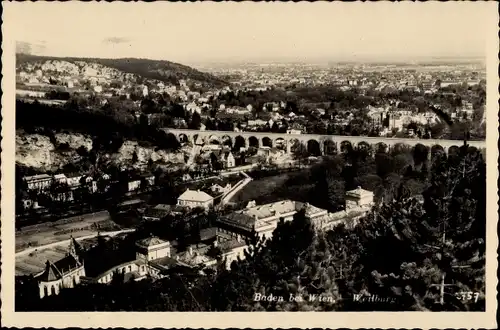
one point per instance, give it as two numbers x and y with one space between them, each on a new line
322 143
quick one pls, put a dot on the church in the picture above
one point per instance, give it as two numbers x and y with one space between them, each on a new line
64 273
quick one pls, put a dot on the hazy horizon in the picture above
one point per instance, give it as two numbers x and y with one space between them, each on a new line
208 33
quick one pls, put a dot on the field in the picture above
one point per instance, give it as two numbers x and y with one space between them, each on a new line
34 262
48 233
260 187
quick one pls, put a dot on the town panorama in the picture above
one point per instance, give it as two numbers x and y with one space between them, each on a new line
146 185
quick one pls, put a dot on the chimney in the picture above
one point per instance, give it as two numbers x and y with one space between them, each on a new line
190 250
238 238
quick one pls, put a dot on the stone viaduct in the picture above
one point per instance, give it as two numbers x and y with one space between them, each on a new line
313 142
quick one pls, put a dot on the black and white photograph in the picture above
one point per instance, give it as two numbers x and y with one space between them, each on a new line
251 157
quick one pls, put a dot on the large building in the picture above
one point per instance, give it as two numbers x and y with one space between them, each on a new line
64 273
261 220
38 182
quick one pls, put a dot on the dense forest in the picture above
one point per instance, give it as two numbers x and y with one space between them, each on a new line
404 251
150 69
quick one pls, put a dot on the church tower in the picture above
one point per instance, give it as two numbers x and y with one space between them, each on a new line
75 249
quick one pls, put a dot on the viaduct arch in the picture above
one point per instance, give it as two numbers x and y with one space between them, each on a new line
326 143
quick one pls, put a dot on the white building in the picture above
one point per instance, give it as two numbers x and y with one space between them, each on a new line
358 198
227 159
192 107
64 273
134 185
36 182
195 198
262 220
293 131
152 248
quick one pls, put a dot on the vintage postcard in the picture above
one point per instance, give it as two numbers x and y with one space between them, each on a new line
179 165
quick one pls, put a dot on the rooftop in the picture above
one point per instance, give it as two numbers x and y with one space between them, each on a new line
164 262
247 218
37 177
195 195
151 241
51 273
358 192
229 245
159 211
194 258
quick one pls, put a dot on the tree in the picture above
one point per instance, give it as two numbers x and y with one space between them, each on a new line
195 121
82 151
299 151
434 246
135 158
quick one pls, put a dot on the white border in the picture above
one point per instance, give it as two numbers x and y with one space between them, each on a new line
237 319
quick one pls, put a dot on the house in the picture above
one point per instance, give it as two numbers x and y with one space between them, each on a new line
148 178
186 177
257 122
227 159
195 198
216 188
152 248
60 178
133 185
38 182
73 179
358 198
193 107
21 92
30 204
264 151
293 131
321 112
447 83
98 89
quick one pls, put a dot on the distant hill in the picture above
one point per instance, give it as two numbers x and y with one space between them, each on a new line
150 69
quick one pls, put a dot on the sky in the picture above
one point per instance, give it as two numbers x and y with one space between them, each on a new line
207 32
